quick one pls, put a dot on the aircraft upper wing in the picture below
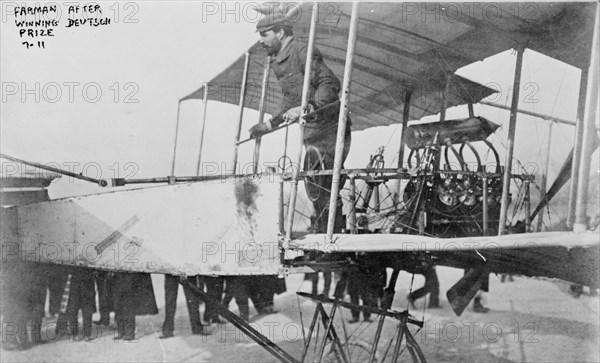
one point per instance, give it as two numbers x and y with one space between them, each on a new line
414 46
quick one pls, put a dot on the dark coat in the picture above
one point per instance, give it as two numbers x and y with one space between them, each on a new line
23 292
289 67
133 294
82 292
57 279
104 283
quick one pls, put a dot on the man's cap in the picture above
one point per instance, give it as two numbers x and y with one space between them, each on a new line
271 20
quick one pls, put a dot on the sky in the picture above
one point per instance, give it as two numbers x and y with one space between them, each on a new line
154 53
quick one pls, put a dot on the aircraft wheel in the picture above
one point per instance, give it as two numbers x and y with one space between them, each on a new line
358 351
313 161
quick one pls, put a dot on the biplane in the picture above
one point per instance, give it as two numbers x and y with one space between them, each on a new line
445 202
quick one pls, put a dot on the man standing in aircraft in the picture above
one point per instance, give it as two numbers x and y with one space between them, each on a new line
288 60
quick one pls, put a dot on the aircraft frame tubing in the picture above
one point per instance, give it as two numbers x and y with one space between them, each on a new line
403 318
241 324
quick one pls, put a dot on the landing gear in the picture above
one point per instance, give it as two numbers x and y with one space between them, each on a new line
334 345
314 161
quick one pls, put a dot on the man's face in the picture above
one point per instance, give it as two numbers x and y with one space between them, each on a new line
271 41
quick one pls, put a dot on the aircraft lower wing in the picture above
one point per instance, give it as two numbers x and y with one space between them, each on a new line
569 256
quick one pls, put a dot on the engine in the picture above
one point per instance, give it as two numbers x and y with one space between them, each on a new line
453 181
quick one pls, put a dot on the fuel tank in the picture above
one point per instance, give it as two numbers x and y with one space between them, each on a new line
457 131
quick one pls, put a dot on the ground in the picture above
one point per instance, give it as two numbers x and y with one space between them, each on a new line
530 321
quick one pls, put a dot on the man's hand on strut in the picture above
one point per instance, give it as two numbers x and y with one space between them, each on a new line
294 113
260 129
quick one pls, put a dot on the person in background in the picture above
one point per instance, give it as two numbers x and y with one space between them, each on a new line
431 287
214 289
313 277
235 287
105 296
263 290
478 306
82 296
133 295
192 302
361 287
56 286
22 303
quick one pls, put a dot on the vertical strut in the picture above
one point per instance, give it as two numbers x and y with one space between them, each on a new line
590 137
405 117
205 98
352 197
543 182
445 98
485 206
241 115
261 110
343 119
527 203
577 148
511 141
305 93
